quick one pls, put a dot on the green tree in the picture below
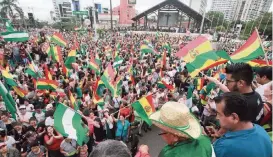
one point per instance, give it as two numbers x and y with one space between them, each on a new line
10 8
216 18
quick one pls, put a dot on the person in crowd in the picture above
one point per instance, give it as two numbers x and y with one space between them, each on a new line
24 115
239 78
122 128
8 152
143 151
8 140
111 148
37 150
18 133
69 147
7 121
53 141
235 115
30 137
264 78
181 131
99 131
108 124
266 122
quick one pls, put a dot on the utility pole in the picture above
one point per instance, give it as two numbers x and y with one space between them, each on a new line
111 14
203 19
95 21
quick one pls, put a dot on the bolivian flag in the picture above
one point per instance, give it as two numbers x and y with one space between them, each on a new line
93 65
58 39
19 91
46 84
8 78
250 50
108 78
145 107
71 58
97 100
145 49
199 83
73 103
163 84
56 54
31 71
48 74
259 63
99 87
207 61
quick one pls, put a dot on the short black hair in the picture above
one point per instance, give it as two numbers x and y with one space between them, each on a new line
265 71
236 103
241 71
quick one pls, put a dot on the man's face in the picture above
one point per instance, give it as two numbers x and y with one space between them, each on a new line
226 122
231 83
169 138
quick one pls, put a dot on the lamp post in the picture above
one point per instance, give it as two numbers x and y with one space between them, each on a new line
111 14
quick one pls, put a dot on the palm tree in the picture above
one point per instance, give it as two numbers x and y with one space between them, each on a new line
10 8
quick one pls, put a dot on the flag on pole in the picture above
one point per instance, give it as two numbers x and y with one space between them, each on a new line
46 84
58 39
145 107
189 97
15 36
19 91
118 62
108 78
9 101
93 65
73 103
8 78
69 123
56 54
250 50
71 58
47 73
259 63
163 84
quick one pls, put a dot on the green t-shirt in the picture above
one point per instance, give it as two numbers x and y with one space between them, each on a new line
200 147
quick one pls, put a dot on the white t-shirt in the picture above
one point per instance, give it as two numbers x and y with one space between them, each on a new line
49 121
206 111
30 107
25 117
261 88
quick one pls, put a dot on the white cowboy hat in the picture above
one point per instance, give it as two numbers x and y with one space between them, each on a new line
175 118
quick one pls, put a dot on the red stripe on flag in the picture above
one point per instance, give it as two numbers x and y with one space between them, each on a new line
254 36
149 98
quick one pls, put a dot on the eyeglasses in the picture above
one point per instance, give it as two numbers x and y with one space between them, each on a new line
163 133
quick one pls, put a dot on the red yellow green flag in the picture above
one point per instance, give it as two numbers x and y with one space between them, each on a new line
108 78
145 107
259 63
58 39
73 103
8 78
47 73
93 64
56 54
46 84
163 84
250 50
19 91
71 58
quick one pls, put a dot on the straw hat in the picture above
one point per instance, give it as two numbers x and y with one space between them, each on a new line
175 118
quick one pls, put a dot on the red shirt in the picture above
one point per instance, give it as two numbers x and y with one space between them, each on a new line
125 111
55 144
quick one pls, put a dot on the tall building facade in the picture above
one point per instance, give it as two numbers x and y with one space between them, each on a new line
62 9
255 8
126 12
244 10
198 5
228 7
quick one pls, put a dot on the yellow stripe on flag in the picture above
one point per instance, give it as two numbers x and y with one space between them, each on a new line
254 46
202 48
145 104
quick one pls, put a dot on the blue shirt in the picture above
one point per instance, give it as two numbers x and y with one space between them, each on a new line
253 142
122 130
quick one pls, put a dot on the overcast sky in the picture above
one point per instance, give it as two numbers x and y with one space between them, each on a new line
41 8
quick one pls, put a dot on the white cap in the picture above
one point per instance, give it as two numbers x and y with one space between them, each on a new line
22 107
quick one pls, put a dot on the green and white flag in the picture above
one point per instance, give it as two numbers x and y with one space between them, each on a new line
69 123
9 27
8 99
118 62
15 36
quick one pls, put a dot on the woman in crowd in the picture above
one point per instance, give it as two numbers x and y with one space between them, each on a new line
53 141
122 128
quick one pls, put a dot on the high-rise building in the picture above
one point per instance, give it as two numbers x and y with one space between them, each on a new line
243 10
126 11
62 9
228 7
255 8
198 5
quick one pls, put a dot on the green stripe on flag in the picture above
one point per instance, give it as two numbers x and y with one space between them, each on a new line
68 123
16 36
141 112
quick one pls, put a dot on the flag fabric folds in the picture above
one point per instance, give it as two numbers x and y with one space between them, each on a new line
9 101
16 36
73 103
58 39
108 78
8 78
9 27
56 54
46 84
145 107
69 123
94 65
250 50
19 91
71 58
163 84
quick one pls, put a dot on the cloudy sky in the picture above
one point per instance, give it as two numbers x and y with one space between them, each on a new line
41 8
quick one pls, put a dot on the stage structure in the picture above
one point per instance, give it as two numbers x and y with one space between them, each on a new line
169 14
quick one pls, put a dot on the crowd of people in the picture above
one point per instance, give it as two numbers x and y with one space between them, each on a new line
232 119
